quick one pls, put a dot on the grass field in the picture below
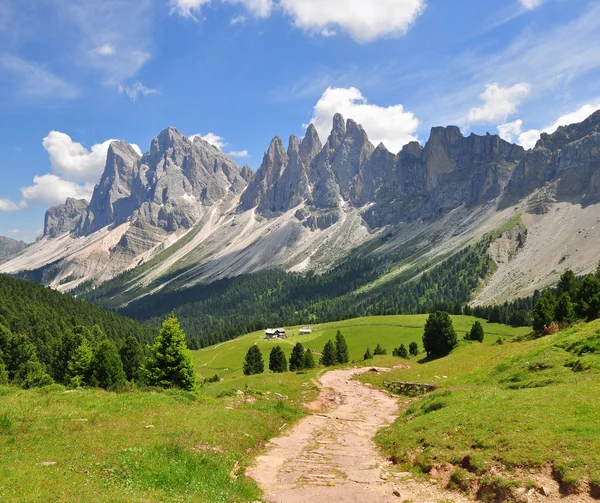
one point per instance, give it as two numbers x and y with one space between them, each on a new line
147 446
510 408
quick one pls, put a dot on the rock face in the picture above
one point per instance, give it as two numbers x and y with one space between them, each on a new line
64 218
9 248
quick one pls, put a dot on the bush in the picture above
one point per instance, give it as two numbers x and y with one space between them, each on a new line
32 375
476 333
253 363
379 350
401 351
439 337
413 348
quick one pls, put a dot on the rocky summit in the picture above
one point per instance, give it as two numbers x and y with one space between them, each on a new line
310 205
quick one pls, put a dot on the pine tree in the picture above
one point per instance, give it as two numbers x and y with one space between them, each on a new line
79 368
413 348
589 298
107 367
277 360
401 351
379 350
565 312
132 356
32 374
329 356
343 355
170 363
543 313
368 355
439 337
476 333
568 283
253 363
297 358
309 360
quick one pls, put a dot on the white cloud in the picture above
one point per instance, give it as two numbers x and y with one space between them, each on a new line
392 125
72 160
211 138
258 8
136 89
241 154
531 4
364 21
529 138
239 20
51 190
499 102
31 80
187 8
14 231
105 50
8 205
511 130
326 32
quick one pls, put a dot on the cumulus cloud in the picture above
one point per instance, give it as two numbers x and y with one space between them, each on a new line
241 154
136 89
105 50
72 160
364 21
213 139
8 205
499 103
238 20
258 8
187 8
531 4
511 130
393 126
52 189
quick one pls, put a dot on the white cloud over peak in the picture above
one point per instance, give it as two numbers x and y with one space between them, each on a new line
8 205
499 103
51 190
212 138
392 126
531 4
364 21
72 160
136 89
511 130
529 138
241 154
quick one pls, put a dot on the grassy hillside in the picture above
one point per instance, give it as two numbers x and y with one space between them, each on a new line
148 446
503 410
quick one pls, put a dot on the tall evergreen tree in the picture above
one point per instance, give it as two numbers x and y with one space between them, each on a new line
589 298
329 356
439 337
543 314
565 312
341 348
368 355
297 358
254 363
170 363
107 367
80 365
568 283
309 360
132 356
277 360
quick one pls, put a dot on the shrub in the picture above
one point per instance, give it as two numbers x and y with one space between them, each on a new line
413 348
476 333
460 479
401 351
379 350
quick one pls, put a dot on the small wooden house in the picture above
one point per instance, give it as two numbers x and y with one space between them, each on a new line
305 331
275 333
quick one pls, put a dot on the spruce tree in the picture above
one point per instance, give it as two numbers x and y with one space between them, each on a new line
343 355
565 312
170 363
379 350
589 298
476 333
402 351
297 358
277 360
543 314
132 356
79 368
107 368
253 363
413 348
368 355
439 337
309 360
329 356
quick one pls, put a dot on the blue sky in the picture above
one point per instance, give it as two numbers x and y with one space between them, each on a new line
76 73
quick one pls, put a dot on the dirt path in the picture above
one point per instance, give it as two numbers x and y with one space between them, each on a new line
331 456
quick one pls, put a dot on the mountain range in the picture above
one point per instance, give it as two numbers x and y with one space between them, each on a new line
184 213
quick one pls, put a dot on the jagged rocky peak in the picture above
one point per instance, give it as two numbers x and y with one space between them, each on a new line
247 173
412 149
64 217
310 145
293 145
